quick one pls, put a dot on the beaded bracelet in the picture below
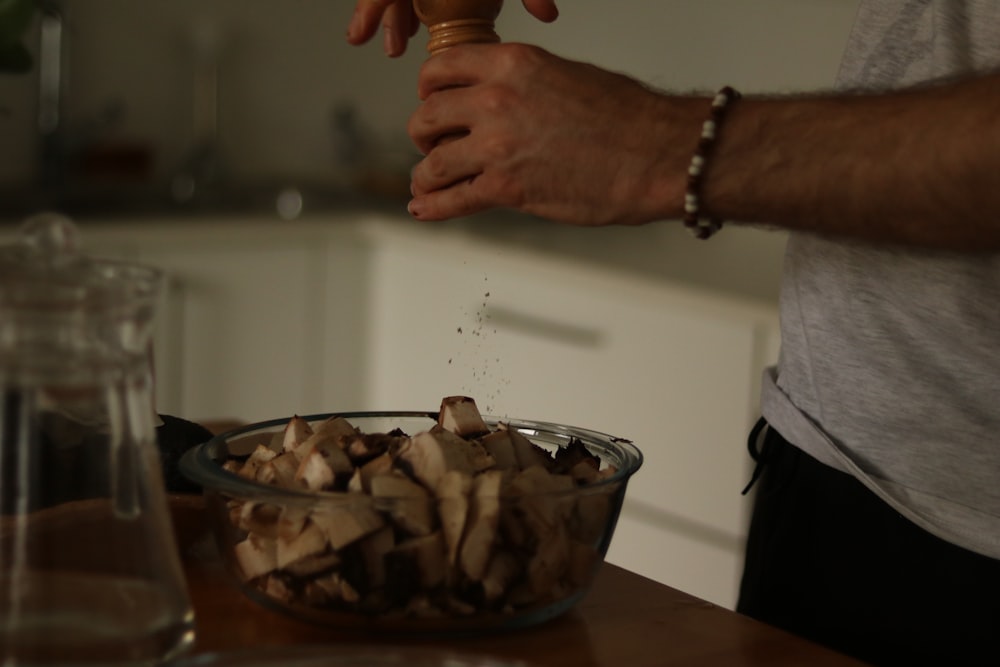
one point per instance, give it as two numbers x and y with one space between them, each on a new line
703 228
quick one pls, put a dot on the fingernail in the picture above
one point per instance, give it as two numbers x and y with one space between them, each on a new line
413 208
391 42
352 27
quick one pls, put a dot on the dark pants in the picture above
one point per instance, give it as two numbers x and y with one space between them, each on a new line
828 560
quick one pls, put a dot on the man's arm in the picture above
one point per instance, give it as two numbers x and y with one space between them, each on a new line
577 144
920 166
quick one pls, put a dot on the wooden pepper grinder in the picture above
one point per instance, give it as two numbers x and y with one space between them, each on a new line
452 22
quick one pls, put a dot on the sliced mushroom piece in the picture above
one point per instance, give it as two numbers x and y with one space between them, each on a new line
453 509
482 525
501 448
373 549
336 588
528 453
364 447
549 562
363 474
356 484
347 522
256 556
460 415
607 472
416 565
575 452
322 463
540 497
279 471
432 453
408 504
314 595
314 565
584 473
276 587
336 427
260 519
504 569
257 458
590 516
297 431
292 521
310 542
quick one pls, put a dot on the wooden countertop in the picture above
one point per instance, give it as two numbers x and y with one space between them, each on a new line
625 621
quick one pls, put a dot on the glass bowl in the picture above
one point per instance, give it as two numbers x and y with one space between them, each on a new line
404 550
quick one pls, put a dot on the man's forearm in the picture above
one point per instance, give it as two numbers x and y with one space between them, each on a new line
914 167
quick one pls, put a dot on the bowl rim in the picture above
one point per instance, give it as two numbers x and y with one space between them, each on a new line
199 467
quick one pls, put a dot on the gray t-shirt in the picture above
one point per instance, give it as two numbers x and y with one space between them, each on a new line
890 361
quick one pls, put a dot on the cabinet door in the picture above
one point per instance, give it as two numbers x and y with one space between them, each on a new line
674 370
241 330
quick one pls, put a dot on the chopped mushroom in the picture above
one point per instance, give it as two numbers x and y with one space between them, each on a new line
503 570
256 556
453 509
345 523
418 562
279 471
460 415
308 543
322 462
433 453
501 448
373 548
296 432
483 522
258 458
528 454
408 503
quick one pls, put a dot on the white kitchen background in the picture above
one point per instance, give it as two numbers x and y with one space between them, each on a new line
644 333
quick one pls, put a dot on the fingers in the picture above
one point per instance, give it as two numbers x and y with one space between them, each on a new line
461 199
449 163
396 17
364 23
445 116
461 65
543 10
396 28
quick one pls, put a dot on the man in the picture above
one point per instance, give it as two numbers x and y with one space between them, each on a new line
876 527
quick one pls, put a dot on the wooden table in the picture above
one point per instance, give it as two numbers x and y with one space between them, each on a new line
625 621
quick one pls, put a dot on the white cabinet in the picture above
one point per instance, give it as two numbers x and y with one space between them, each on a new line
251 326
530 336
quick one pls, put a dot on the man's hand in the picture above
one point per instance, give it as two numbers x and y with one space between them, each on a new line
399 22
563 140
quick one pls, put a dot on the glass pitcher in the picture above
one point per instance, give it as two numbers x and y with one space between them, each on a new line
89 570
